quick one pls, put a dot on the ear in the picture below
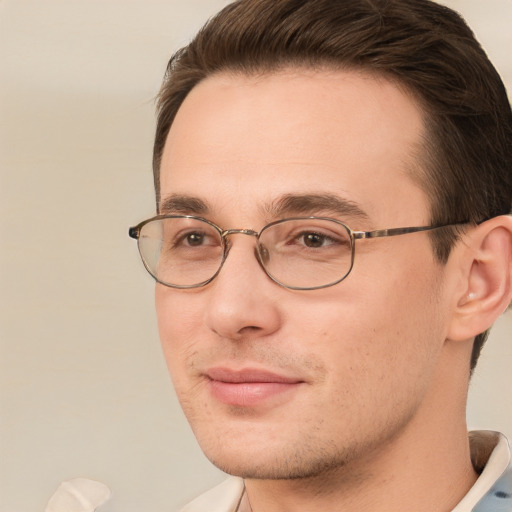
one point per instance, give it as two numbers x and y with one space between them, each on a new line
485 258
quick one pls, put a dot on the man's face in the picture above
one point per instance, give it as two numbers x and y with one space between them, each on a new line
279 383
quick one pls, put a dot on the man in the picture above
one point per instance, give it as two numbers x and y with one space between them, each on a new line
332 244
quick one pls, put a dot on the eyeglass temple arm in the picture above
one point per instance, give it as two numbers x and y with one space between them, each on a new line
399 231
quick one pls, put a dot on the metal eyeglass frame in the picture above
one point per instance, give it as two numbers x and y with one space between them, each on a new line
134 232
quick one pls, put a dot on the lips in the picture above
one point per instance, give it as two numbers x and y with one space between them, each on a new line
249 387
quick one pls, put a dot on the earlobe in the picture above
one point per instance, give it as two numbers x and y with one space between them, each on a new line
487 290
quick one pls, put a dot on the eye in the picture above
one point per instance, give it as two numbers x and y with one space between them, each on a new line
194 239
190 239
307 237
315 240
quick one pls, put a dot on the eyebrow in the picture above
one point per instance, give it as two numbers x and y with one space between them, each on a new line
177 203
286 205
313 204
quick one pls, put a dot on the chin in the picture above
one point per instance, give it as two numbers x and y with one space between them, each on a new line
290 467
274 459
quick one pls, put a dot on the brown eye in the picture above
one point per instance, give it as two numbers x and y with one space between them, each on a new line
314 240
194 239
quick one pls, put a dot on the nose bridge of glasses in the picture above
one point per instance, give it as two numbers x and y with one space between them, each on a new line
249 232
260 252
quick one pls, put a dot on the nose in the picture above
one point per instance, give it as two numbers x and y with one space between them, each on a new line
242 300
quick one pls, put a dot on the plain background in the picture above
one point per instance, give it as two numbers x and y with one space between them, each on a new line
83 387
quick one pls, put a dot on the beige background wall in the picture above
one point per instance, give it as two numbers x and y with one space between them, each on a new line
83 387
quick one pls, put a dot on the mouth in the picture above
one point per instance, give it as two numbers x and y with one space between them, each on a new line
248 387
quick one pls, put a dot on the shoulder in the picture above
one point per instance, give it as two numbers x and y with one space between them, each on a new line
225 497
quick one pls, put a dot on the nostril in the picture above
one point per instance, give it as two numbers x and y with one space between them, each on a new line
248 329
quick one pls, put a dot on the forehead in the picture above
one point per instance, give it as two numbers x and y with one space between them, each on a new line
239 139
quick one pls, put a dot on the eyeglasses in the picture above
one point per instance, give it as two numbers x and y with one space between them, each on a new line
300 253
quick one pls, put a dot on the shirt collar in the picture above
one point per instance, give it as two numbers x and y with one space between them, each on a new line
491 457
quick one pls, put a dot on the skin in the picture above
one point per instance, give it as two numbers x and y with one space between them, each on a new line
374 419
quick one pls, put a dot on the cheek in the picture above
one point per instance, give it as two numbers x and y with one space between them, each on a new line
178 326
375 329
375 364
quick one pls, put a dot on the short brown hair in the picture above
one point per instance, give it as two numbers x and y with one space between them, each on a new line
465 164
